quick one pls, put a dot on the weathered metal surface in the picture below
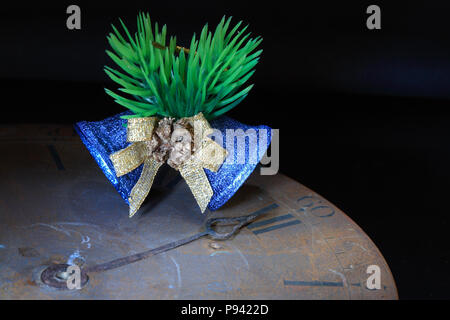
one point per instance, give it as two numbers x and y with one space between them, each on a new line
56 205
56 276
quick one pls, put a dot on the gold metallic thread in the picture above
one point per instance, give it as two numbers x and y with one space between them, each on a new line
201 127
196 179
144 184
128 159
208 154
141 129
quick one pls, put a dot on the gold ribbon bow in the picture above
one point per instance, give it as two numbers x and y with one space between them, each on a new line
207 154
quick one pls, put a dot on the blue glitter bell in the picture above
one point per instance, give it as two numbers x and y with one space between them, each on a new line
245 144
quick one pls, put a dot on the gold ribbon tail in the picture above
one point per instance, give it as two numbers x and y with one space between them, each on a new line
196 179
143 185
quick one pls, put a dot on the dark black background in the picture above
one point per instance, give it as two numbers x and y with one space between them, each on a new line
364 114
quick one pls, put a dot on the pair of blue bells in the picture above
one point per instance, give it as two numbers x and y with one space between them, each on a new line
102 138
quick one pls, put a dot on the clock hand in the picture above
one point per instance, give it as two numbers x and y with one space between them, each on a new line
57 275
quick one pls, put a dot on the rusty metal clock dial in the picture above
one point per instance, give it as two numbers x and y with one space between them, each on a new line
57 207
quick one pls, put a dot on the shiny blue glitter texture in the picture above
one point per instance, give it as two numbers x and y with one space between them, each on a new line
102 138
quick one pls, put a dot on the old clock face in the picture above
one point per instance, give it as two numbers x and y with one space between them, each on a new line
62 209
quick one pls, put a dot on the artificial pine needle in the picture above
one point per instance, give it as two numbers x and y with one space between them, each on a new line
181 82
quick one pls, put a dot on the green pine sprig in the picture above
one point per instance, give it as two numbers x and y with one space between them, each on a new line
163 79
